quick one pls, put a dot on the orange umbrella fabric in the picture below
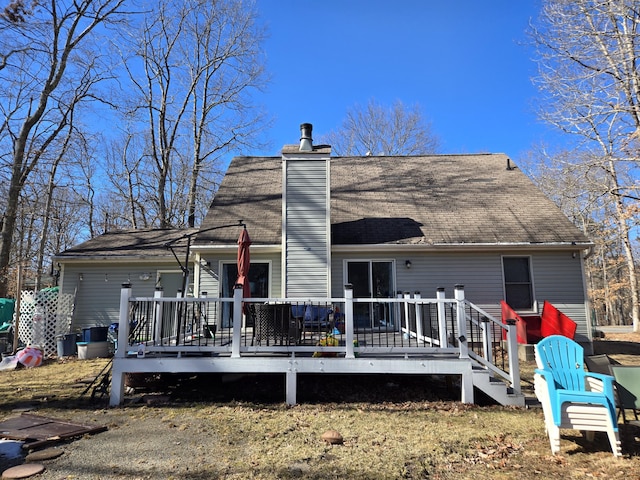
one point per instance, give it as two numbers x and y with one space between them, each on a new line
244 263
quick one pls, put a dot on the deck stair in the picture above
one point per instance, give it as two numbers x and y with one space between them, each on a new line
495 388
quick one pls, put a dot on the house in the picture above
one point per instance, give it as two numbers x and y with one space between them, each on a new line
394 224
383 224
416 251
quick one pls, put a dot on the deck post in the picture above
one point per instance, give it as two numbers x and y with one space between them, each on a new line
237 321
467 386
442 318
117 377
180 307
512 349
203 321
487 344
348 320
420 336
398 311
291 386
407 322
462 321
157 317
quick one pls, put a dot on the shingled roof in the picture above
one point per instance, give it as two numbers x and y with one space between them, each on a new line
430 200
143 244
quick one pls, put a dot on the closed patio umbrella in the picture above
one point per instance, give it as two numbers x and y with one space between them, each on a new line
244 263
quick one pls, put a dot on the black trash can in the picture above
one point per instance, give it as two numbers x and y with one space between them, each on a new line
67 344
95 334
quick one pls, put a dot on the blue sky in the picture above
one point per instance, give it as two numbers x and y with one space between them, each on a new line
464 62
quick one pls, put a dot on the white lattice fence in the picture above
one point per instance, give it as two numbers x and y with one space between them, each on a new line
43 316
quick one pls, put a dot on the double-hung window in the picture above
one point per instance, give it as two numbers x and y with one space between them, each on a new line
518 286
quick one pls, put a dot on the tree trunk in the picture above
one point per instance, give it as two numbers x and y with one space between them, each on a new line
631 266
8 230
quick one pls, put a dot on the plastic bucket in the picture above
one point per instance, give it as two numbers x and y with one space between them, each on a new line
88 350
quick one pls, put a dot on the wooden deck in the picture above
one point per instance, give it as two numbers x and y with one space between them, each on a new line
410 336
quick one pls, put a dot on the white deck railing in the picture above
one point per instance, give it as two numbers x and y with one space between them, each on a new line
344 327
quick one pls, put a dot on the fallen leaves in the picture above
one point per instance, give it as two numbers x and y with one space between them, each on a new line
495 452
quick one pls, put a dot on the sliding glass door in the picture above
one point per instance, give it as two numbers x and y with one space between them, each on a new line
371 279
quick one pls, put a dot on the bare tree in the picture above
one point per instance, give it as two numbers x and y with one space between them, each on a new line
588 53
85 190
196 65
375 129
127 188
577 190
48 68
49 192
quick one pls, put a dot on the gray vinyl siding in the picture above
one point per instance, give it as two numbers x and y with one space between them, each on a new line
98 293
210 276
557 277
306 233
480 275
553 277
551 273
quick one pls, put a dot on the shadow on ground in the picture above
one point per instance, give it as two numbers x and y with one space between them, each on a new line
311 388
613 347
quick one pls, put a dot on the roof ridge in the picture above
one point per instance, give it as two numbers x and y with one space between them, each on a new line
424 155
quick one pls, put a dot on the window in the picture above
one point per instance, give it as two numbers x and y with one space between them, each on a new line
518 288
258 280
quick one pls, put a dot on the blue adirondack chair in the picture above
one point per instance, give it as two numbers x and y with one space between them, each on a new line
570 396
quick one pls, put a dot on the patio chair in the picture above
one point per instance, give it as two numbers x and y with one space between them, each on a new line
312 317
600 363
627 390
274 324
571 397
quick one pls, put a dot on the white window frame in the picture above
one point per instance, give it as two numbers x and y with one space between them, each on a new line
534 303
345 269
221 270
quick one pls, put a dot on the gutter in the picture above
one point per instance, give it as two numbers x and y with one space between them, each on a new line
386 247
464 247
119 259
234 248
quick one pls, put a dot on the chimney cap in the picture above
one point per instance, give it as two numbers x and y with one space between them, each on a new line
306 142
306 145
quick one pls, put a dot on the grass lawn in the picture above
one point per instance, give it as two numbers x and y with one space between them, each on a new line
393 428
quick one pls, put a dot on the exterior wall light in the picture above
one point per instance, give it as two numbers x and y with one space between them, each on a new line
407 263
